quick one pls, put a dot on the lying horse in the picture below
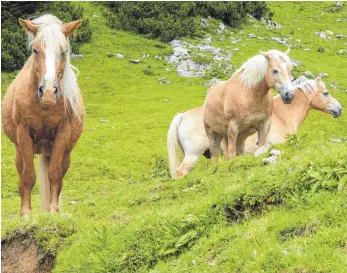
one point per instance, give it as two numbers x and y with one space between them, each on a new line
237 108
43 112
187 129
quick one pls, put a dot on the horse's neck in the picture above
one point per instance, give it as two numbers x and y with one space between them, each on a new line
292 114
262 90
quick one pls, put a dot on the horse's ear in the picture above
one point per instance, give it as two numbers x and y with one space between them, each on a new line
287 51
29 26
318 79
267 56
69 29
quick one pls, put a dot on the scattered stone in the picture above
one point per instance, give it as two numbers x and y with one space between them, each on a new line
204 22
307 49
329 32
270 160
157 57
177 43
136 61
260 38
76 56
323 75
298 40
212 82
166 100
251 35
163 81
88 78
73 202
119 56
208 40
104 120
236 49
290 170
145 56
338 4
172 59
262 150
337 140
309 74
180 52
95 16
338 36
275 152
322 35
338 20
235 41
189 68
221 26
270 25
296 63
282 41
341 51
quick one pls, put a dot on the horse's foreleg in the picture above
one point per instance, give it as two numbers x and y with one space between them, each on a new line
231 140
240 145
25 168
59 163
263 131
214 141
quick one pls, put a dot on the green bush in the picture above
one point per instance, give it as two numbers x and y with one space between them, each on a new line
170 20
13 39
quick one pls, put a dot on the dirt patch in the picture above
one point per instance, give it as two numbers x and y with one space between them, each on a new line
22 255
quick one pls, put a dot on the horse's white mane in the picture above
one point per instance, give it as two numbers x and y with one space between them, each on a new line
51 36
253 71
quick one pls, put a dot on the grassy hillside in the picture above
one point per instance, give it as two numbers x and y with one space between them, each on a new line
123 213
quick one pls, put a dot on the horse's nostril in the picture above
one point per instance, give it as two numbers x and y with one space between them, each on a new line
56 91
289 95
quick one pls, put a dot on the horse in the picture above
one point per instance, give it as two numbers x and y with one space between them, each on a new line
43 111
236 108
187 129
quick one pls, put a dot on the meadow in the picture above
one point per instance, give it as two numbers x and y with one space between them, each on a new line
121 211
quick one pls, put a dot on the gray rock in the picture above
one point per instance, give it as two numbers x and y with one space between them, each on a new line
328 32
208 40
236 49
119 56
251 35
275 152
189 68
296 63
204 22
145 56
338 20
260 38
270 160
298 40
136 61
339 36
323 75
341 51
307 49
309 74
163 81
322 35
221 26
282 41
270 25
76 56
157 57
172 59
338 4
212 82
180 52
337 140
177 43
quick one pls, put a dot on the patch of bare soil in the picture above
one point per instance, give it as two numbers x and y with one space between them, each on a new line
22 255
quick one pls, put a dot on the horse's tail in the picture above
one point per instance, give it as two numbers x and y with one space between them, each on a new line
45 189
172 144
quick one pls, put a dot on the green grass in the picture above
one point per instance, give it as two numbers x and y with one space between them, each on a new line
225 216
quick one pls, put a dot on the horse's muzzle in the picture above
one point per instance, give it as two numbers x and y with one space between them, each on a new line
336 111
287 97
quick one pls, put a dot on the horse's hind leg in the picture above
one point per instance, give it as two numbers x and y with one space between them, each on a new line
25 168
240 145
186 165
231 141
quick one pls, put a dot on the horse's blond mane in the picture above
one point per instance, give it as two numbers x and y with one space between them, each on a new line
51 36
308 87
253 71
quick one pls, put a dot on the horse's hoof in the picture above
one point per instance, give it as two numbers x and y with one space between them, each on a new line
25 214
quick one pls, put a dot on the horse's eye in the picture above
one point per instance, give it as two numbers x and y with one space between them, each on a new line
275 71
326 94
35 51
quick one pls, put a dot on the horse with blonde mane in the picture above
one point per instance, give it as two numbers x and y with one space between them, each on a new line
43 112
236 108
187 129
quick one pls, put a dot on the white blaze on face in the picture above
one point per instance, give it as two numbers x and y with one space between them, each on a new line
50 65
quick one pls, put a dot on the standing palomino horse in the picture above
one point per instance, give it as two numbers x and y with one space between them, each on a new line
187 129
236 108
43 112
